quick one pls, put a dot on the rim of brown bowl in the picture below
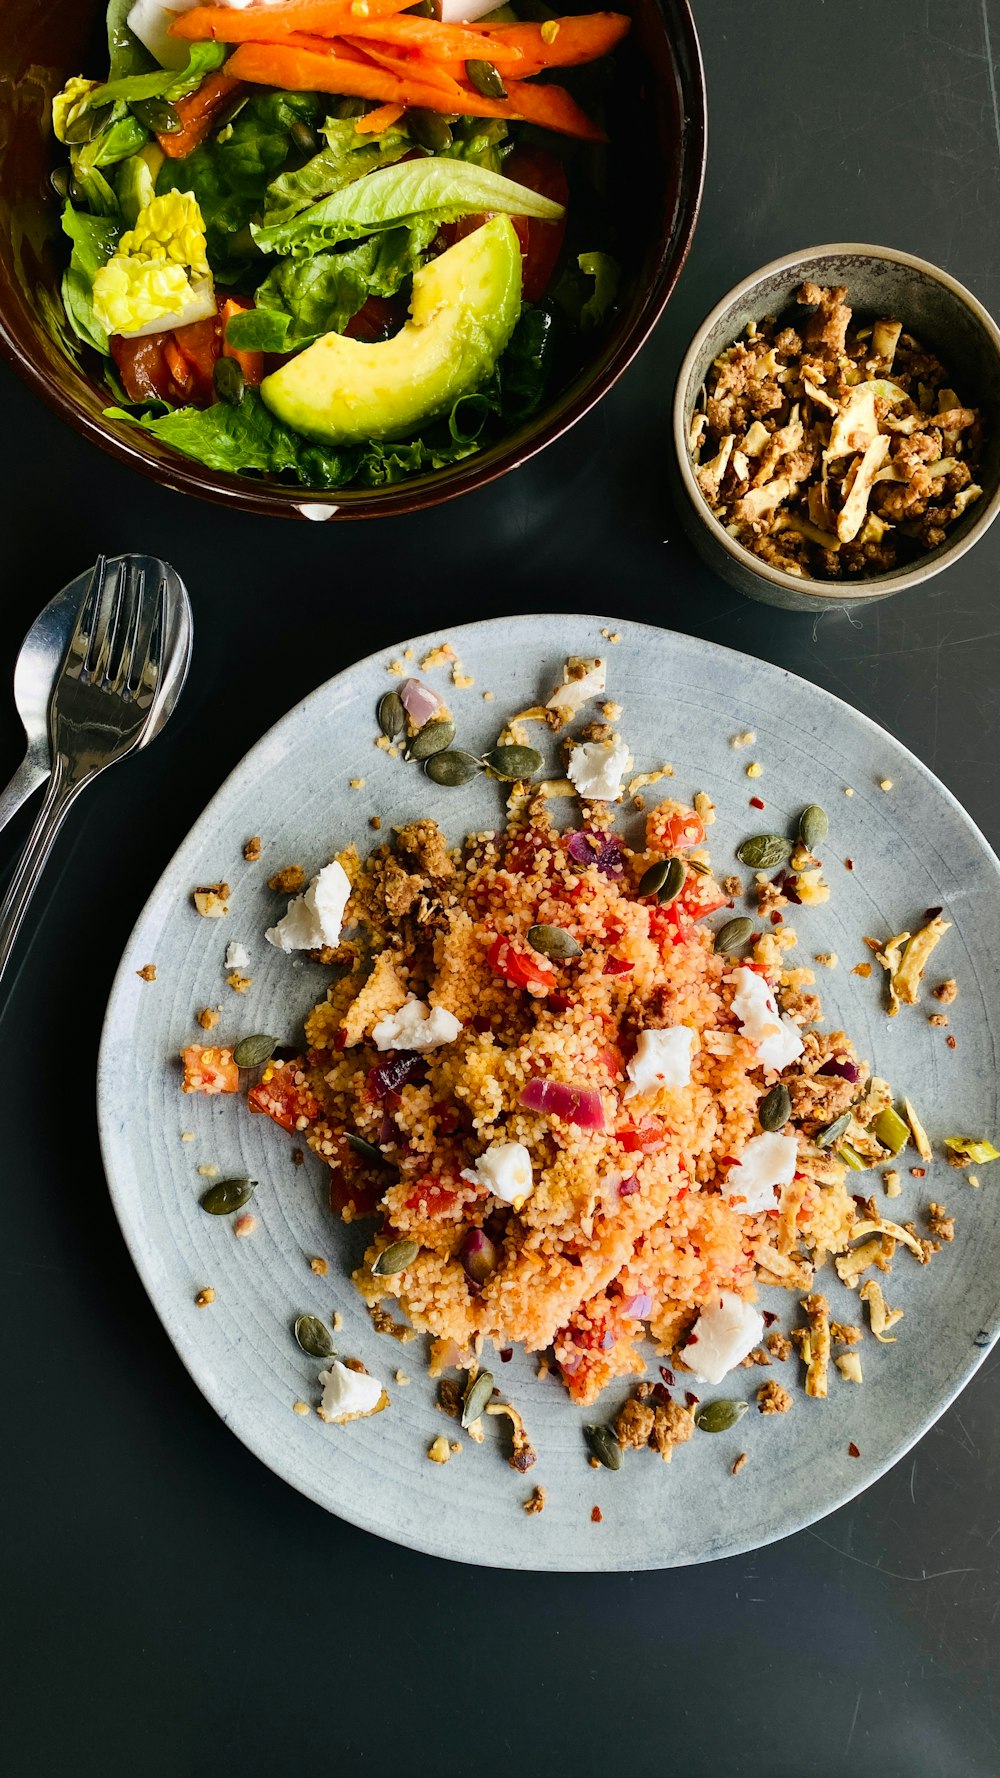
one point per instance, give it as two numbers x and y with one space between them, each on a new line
673 242
875 586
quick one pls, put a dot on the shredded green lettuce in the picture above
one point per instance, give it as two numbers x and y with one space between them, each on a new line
435 189
301 299
127 55
527 367
230 178
162 83
248 438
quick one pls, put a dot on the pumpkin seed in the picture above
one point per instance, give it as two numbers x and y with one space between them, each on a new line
434 737
428 128
553 941
764 851
719 1416
604 1446
814 825
834 1131
653 879
230 383
452 768
512 763
395 1258
87 124
251 1052
391 714
59 179
303 138
158 115
227 1195
476 1397
366 1150
313 1337
486 79
775 1108
704 870
673 882
734 933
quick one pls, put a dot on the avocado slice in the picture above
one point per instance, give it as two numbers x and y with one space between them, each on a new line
462 313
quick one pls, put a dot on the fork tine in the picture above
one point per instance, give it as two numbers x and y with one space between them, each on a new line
126 626
105 619
83 629
148 651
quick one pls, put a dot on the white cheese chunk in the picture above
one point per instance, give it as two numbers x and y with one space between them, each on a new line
578 687
416 1026
315 918
766 1164
725 1331
459 12
346 1392
776 1038
596 769
237 956
662 1059
505 1170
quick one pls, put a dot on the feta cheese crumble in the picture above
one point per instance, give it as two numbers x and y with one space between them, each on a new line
725 1331
596 769
766 1164
582 680
662 1059
416 1026
316 917
505 1170
348 1393
776 1038
237 956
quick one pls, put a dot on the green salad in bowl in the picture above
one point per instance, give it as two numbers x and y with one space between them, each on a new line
337 242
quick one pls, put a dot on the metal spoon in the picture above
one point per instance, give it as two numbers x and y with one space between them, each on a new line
41 655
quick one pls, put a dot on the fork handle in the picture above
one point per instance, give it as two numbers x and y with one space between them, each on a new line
25 781
58 798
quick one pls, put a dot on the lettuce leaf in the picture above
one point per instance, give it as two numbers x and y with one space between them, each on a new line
230 178
94 241
322 294
435 189
483 140
248 439
128 55
527 366
162 83
346 157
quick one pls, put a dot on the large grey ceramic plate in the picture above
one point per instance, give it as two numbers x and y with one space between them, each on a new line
683 700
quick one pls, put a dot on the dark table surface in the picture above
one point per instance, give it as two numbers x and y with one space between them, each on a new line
169 1606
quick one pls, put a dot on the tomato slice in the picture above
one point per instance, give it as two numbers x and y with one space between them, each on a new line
209 1071
517 968
377 318
179 366
283 1098
143 368
540 242
250 363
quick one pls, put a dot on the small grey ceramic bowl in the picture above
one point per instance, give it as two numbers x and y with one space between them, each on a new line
938 311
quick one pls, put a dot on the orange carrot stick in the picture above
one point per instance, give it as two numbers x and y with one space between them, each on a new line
325 17
566 41
382 118
199 113
301 70
436 42
411 67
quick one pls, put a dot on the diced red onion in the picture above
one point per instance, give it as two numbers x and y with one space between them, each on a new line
419 701
628 1187
506 1354
662 1394
617 966
575 1105
388 1077
479 1256
844 1070
602 849
640 1306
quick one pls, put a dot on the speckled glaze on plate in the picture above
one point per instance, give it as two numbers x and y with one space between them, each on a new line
683 699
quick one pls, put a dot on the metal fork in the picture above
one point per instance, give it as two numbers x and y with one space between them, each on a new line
99 711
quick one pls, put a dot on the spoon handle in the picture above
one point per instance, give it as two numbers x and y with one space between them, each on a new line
58 797
26 779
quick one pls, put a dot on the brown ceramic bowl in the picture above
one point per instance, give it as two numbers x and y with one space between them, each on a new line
657 152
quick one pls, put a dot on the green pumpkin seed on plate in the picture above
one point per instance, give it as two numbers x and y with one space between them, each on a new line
452 769
604 1446
734 933
486 79
513 763
313 1337
477 1396
253 1052
814 825
366 1150
653 878
555 942
434 737
391 714
227 1195
764 851
672 883
834 1131
719 1416
775 1108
